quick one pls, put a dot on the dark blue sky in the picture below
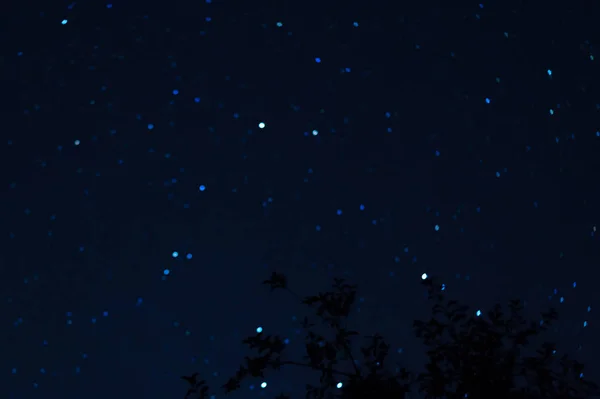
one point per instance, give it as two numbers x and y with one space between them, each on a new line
380 123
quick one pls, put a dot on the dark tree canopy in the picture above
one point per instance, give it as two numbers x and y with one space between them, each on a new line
468 356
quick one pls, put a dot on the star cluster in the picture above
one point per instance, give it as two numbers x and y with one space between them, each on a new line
160 160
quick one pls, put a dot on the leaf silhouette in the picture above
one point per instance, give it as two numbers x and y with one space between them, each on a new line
468 356
277 281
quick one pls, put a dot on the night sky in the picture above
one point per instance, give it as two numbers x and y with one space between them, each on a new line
161 159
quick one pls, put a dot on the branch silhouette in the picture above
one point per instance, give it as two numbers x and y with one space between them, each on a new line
468 356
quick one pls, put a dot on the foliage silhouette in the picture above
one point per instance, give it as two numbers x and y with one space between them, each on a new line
468 357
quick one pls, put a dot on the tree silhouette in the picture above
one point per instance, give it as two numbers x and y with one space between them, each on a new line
468 356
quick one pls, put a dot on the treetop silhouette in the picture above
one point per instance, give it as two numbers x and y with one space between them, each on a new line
468 356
